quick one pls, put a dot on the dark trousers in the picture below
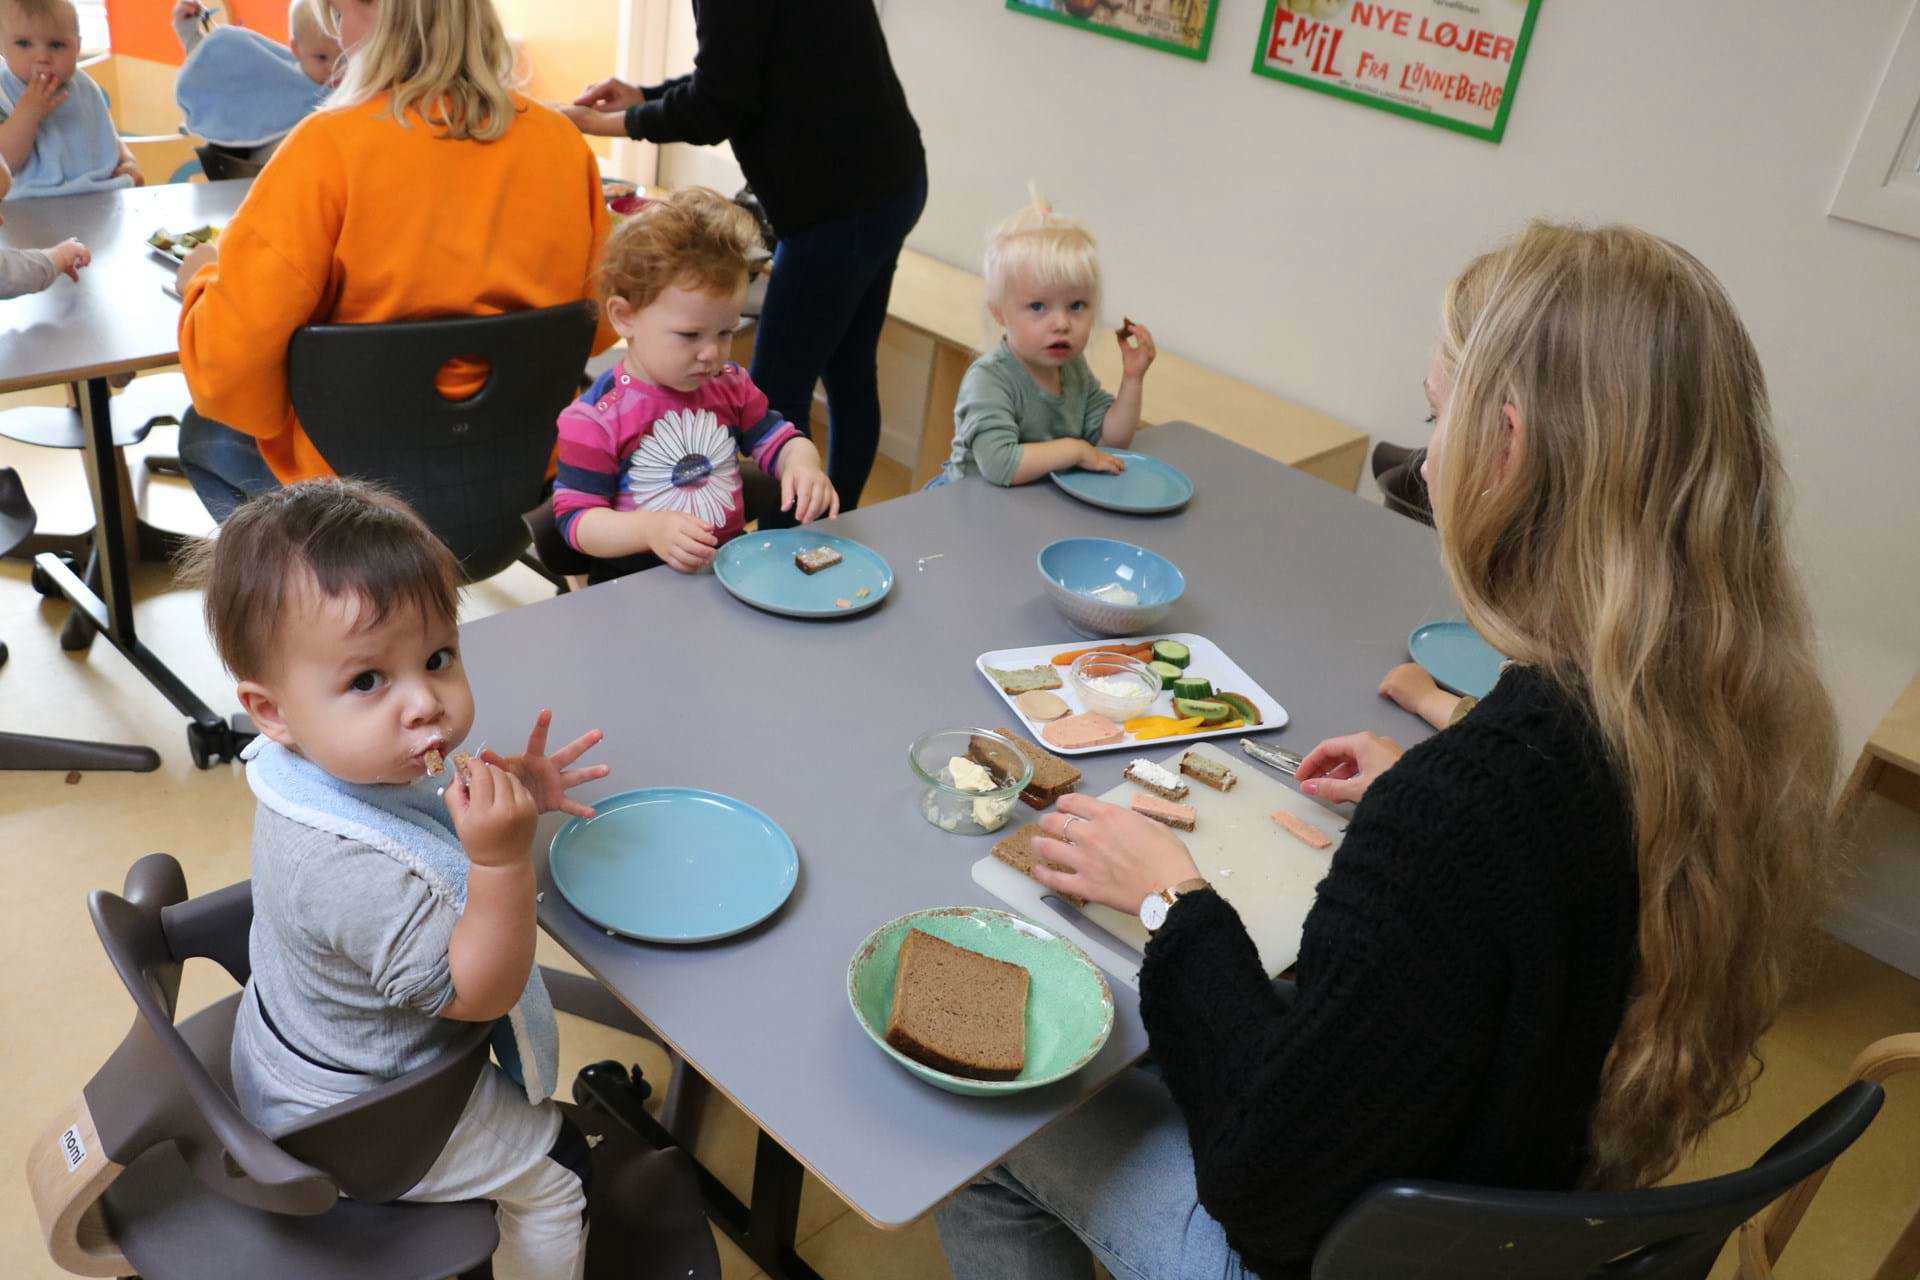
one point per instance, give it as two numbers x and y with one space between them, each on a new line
821 322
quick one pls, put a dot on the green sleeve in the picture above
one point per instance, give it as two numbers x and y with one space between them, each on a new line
984 417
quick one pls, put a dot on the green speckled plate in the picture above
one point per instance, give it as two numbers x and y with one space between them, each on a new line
1069 1005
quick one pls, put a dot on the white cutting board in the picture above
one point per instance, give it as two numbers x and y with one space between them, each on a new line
1208 660
1269 876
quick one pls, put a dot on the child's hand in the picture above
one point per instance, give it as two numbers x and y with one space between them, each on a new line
1413 689
1135 359
129 167
187 10
681 540
70 256
43 97
546 777
1092 458
493 814
806 491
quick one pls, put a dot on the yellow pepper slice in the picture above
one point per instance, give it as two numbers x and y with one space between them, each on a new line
1166 729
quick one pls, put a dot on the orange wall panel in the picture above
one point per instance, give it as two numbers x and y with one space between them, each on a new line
144 28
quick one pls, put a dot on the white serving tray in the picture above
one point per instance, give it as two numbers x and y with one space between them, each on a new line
1270 877
1208 660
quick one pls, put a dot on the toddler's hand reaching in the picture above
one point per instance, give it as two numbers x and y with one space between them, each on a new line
1094 459
493 814
682 541
1134 360
69 256
806 491
546 777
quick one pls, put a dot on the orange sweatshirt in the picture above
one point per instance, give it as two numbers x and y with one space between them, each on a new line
360 219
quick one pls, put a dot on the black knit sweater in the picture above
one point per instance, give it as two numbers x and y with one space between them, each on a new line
1461 978
806 93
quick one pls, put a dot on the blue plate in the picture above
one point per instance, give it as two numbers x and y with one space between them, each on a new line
1147 487
758 568
1454 654
674 864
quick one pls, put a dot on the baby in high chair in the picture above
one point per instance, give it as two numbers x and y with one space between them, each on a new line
650 455
56 131
1032 406
391 910
24 271
241 91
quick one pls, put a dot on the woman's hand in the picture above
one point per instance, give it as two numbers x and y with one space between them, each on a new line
596 124
546 777
191 264
1341 769
610 95
69 256
1114 856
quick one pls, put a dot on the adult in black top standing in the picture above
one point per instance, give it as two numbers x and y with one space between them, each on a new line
807 95
1553 933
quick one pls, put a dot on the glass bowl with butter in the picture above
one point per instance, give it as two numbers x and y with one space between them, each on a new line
967 781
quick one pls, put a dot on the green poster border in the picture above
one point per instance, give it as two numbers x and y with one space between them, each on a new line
1492 134
1165 46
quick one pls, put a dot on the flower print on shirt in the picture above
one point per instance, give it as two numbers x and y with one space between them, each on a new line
689 463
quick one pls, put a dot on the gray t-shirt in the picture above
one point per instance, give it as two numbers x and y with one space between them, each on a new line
349 951
1001 408
24 271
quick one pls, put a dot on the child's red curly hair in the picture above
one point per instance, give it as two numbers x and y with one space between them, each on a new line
695 239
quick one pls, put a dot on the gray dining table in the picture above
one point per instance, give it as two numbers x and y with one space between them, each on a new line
116 319
1312 590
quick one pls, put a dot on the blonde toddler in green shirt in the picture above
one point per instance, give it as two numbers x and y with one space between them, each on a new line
1031 406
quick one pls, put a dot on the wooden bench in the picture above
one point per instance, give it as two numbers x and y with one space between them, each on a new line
1890 762
949 306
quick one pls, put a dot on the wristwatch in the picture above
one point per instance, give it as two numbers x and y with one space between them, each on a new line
1154 908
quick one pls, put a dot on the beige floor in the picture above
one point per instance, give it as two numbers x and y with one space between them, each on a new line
65 1011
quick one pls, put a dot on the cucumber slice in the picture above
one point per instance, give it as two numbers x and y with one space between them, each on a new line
1209 711
1172 652
1192 687
1167 672
1243 704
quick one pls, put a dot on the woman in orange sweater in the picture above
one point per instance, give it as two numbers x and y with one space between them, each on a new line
425 188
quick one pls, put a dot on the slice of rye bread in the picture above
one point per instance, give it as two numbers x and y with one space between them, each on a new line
1180 817
1208 770
1140 778
958 1011
1017 852
1024 679
814 559
1052 776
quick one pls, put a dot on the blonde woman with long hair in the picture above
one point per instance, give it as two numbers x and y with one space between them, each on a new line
426 186
1546 950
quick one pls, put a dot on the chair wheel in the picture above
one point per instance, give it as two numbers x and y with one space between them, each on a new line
43 581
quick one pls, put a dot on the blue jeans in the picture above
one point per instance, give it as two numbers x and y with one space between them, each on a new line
223 465
1114 1178
821 322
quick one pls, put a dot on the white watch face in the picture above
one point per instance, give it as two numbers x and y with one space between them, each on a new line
1153 911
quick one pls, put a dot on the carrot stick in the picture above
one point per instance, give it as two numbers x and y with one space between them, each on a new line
1136 651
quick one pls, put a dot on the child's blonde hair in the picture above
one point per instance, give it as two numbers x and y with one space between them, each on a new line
1639 555
305 21
1040 247
60 11
696 238
447 59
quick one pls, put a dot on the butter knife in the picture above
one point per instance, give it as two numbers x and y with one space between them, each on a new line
1277 757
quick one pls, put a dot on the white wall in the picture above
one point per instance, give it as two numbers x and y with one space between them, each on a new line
1301 242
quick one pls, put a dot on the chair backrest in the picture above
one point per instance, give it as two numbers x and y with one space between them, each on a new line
155 1088
1439 1231
220 164
366 396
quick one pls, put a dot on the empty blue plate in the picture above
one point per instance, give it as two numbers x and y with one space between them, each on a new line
1454 655
674 864
758 568
1147 487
